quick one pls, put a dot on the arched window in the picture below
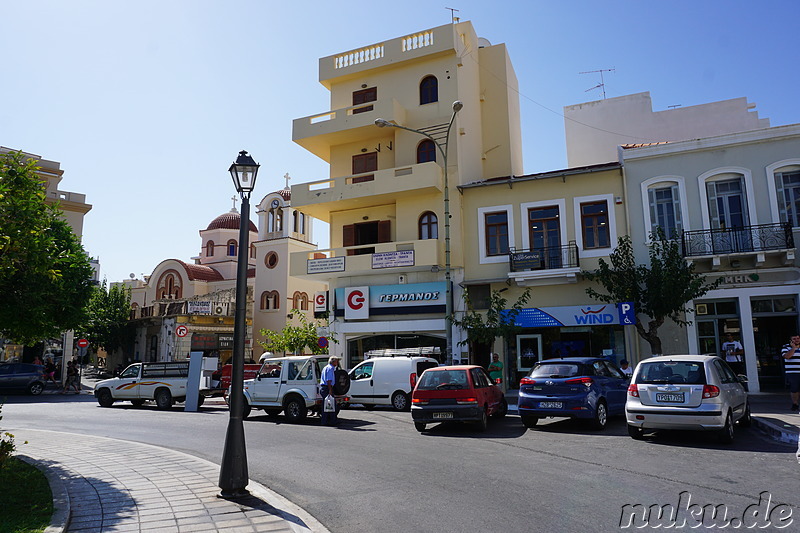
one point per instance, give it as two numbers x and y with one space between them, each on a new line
428 226
270 300
294 221
279 220
169 286
252 251
271 221
232 248
300 301
210 249
428 90
302 218
426 151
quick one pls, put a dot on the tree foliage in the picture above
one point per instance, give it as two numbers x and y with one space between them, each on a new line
107 317
295 339
659 291
483 328
45 275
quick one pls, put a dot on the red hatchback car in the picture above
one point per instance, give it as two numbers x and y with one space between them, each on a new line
462 393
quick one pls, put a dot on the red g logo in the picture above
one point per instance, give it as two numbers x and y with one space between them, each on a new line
320 300
355 300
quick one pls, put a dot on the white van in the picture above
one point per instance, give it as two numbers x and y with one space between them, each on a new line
387 380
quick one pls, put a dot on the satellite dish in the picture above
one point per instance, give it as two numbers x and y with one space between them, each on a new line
483 43
133 276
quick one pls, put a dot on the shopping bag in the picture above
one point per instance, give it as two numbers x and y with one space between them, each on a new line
329 405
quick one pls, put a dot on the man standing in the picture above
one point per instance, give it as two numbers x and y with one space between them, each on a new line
791 358
496 369
734 354
625 368
327 380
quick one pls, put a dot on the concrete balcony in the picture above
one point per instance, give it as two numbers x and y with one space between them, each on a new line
319 132
319 198
379 258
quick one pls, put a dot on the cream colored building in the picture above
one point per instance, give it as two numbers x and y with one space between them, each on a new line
384 194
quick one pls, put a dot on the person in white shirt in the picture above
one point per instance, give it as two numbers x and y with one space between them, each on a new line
625 367
733 353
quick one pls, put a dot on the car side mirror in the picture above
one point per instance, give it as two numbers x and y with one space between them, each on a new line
742 378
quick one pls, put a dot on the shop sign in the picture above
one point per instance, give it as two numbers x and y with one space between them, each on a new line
198 308
356 303
320 301
326 264
204 341
577 315
399 297
400 258
225 341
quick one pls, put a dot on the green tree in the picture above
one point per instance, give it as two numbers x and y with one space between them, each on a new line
483 328
107 323
45 275
295 339
659 291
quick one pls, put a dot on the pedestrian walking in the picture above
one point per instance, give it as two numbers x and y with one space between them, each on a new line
73 379
327 381
49 371
791 358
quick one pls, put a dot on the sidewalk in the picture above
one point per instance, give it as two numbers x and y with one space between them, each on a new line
106 485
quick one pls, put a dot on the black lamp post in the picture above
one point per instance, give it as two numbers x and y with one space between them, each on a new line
233 476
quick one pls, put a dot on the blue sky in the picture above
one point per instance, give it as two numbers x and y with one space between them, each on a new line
145 104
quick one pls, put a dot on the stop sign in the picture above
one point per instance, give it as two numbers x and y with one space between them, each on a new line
83 343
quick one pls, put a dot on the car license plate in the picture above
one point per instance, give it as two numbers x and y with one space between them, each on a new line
551 405
442 415
671 397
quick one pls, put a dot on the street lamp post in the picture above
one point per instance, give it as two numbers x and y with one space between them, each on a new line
233 476
442 144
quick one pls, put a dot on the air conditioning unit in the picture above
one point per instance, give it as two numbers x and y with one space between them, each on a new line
221 309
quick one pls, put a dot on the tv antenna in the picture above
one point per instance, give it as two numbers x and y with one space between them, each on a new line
602 84
453 17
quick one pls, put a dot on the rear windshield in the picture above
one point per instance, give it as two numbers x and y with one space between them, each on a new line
557 370
688 372
444 380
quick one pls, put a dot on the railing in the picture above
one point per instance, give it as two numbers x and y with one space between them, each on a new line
418 40
744 239
548 258
361 55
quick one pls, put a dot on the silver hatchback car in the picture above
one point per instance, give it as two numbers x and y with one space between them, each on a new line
694 392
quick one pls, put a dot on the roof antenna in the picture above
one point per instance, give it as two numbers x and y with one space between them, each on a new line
453 18
602 84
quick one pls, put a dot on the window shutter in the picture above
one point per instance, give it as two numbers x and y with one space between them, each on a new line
651 194
676 204
349 235
385 231
713 209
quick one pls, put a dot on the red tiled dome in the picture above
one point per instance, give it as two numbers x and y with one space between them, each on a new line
201 272
229 220
286 194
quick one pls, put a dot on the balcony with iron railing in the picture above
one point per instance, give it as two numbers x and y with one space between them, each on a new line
386 257
544 266
319 198
757 241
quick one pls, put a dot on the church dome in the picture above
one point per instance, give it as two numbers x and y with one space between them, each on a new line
229 220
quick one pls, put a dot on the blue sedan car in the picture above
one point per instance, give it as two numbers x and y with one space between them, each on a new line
591 388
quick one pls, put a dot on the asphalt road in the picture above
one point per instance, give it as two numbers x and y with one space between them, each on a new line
375 473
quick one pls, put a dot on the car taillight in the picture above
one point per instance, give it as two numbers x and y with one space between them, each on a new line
467 401
413 380
586 381
419 401
633 390
710 391
527 381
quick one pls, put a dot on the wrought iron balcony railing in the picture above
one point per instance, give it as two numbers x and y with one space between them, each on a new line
760 238
551 257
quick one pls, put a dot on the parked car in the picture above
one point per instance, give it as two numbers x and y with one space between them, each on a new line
694 392
164 382
22 377
590 388
387 380
456 393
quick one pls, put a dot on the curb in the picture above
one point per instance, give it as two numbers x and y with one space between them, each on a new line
61 502
774 431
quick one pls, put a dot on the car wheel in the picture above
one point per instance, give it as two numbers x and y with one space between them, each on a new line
36 388
200 400
420 426
104 398
600 415
746 419
245 409
483 421
503 410
635 433
400 401
295 409
725 435
137 403
529 421
163 399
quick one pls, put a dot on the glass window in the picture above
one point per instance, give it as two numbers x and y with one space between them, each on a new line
496 233
426 151
614 371
130 372
788 187
594 221
363 371
672 372
210 249
362 97
232 248
428 90
556 370
665 210
443 380
428 226
271 369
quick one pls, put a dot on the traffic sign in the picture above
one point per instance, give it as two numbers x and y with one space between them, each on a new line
322 342
83 343
181 331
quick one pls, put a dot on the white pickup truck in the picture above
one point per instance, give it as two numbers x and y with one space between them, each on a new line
291 384
163 382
